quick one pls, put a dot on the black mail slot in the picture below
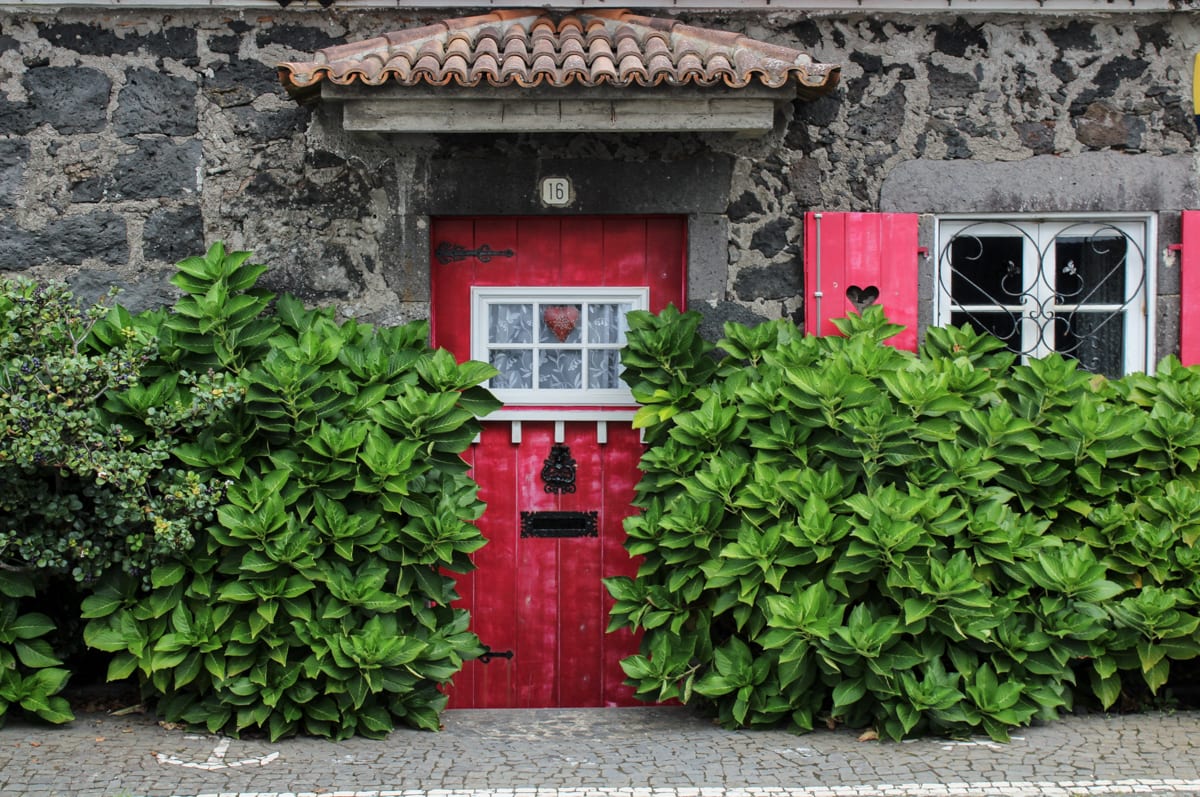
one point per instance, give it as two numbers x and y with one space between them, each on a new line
558 524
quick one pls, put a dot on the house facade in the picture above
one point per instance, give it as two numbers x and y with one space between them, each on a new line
1026 166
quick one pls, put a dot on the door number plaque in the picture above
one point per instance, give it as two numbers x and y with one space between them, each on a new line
556 192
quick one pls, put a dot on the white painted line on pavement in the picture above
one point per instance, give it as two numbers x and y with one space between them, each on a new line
217 759
1073 788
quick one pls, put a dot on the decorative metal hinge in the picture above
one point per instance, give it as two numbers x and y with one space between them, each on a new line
489 654
447 252
558 471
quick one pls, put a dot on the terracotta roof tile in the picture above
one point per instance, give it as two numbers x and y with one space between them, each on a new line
530 48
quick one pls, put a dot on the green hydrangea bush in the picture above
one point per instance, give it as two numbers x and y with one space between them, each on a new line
318 601
833 531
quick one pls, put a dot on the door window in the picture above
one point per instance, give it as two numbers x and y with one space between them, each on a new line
553 346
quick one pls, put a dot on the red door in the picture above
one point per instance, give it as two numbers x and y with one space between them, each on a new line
543 299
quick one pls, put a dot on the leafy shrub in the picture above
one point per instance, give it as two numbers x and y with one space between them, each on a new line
319 600
836 531
30 677
80 493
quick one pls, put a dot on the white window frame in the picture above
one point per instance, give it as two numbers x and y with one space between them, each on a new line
483 297
1039 232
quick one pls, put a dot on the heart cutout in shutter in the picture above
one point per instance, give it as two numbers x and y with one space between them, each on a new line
862 298
562 320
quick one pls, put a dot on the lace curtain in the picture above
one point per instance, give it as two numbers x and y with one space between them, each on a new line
567 354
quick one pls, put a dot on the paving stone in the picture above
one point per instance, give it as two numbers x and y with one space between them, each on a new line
652 752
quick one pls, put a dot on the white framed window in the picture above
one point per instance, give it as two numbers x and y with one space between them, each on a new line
554 346
1079 286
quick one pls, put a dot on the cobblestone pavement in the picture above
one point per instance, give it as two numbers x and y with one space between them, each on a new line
639 752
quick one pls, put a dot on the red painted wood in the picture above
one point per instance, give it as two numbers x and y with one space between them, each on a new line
494 613
450 287
543 598
1189 268
625 251
666 256
622 453
582 613
863 250
581 252
462 689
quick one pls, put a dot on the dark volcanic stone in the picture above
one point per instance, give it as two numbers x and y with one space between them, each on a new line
154 102
157 168
69 99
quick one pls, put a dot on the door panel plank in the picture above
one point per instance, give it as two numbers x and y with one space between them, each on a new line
537 582
495 614
583 262
450 287
498 235
666 250
621 457
581 608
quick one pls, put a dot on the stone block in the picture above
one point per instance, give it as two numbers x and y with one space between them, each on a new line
14 154
173 234
714 316
879 120
157 168
147 292
778 281
18 247
176 42
241 82
1037 136
155 102
1091 182
269 125
66 240
772 238
302 39
69 99
949 89
708 258
74 239
1103 127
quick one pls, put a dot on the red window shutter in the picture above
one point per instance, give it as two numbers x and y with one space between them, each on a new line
862 259
1189 299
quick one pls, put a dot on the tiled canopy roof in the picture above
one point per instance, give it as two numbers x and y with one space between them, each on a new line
530 48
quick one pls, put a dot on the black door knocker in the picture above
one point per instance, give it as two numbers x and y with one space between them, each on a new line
558 472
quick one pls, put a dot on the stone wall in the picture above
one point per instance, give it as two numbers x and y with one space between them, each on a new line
129 140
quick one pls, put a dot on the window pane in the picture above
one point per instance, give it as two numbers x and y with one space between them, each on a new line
606 323
515 367
986 269
560 369
1096 340
560 323
510 323
604 369
1090 269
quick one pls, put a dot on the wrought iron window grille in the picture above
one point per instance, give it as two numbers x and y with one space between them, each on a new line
1073 296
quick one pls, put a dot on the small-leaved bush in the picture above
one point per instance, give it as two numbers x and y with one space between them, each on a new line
833 531
83 491
319 599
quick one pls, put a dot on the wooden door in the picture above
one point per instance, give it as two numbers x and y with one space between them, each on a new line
543 299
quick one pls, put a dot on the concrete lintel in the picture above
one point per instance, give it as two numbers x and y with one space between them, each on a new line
570 115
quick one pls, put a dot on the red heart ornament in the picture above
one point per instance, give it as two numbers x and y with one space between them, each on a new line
562 320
